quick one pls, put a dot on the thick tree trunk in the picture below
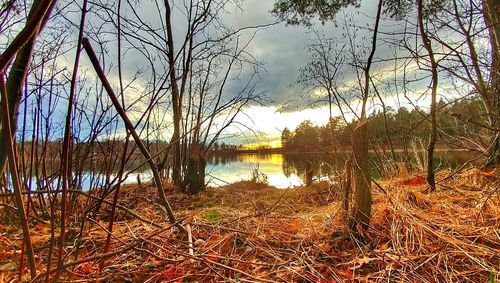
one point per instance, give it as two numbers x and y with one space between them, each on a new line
359 219
194 179
347 186
14 87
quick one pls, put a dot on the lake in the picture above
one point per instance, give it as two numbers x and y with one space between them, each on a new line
279 170
290 170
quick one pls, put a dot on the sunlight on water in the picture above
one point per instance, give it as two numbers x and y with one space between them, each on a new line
280 171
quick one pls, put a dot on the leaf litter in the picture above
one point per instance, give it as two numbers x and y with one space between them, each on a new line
262 234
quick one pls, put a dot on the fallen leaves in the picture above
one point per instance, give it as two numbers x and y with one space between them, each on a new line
302 242
213 256
86 268
413 181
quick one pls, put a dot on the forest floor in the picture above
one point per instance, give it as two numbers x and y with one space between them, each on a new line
249 232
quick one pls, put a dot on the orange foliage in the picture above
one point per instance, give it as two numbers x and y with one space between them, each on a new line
172 273
413 181
86 268
213 256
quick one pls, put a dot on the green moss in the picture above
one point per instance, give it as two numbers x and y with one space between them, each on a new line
212 215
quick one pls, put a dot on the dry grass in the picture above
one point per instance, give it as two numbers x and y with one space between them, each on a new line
248 232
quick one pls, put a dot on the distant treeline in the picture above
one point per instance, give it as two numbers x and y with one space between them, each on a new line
459 124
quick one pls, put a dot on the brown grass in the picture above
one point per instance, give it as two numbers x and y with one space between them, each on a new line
248 232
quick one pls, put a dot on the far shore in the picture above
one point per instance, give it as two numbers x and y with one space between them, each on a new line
343 150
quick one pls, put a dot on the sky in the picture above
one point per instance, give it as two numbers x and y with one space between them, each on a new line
282 51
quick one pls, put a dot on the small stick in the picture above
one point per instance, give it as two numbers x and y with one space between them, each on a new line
190 239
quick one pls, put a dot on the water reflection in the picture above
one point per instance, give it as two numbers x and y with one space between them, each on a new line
281 170
289 170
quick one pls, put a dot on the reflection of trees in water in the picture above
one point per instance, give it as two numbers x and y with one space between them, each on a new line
225 158
222 158
322 165
305 166
309 166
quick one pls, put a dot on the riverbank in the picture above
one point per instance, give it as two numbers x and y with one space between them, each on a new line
250 232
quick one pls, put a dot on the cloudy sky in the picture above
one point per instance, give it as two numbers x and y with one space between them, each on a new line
282 50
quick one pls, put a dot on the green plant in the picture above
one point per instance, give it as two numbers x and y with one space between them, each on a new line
212 215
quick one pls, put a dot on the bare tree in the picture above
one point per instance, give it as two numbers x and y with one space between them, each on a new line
433 135
22 48
361 177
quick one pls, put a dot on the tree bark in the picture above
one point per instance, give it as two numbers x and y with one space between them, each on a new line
194 179
176 103
431 179
361 182
36 18
492 20
38 13
11 150
359 220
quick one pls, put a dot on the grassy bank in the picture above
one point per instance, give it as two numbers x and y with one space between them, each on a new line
248 232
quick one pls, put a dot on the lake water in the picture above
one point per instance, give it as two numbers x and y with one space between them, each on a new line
289 170
279 170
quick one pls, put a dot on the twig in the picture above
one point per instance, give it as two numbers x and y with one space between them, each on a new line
115 252
485 201
190 239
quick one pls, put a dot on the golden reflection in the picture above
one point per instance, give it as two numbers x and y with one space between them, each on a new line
263 145
275 159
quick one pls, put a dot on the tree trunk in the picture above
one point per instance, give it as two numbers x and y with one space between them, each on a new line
492 19
309 173
14 87
431 179
130 127
10 145
361 176
347 186
176 103
194 179
359 219
18 72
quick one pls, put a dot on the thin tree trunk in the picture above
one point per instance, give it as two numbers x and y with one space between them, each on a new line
492 19
130 127
11 150
19 69
176 103
431 180
68 139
